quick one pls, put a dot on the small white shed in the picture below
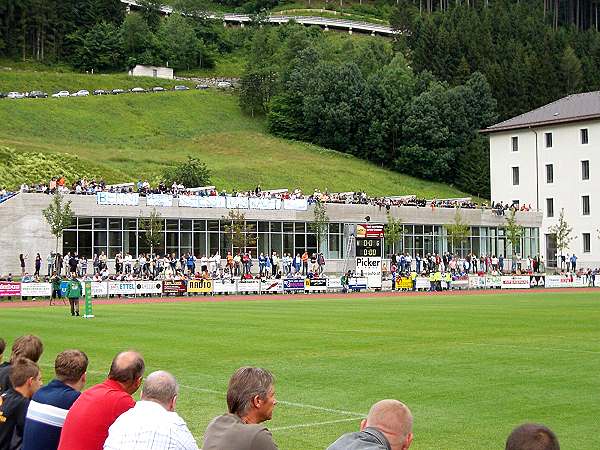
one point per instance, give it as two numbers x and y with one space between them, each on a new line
152 71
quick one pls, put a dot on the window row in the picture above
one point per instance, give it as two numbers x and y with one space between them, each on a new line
585 206
583 139
585 173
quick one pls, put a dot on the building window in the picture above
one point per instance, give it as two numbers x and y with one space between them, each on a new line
549 173
584 135
585 170
586 243
515 176
515 143
549 207
548 138
585 200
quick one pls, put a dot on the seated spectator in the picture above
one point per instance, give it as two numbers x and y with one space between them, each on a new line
531 436
387 427
86 425
49 406
25 379
29 347
250 400
152 423
2 348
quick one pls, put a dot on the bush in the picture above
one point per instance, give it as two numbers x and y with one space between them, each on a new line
191 173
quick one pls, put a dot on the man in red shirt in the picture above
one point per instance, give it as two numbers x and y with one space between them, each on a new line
88 420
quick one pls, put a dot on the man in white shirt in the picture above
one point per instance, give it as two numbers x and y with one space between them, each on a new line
152 424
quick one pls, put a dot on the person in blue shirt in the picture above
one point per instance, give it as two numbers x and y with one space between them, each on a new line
49 405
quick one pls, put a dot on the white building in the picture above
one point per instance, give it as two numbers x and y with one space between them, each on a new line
152 71
549 158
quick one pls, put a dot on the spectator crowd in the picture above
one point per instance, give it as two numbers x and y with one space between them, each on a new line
62 415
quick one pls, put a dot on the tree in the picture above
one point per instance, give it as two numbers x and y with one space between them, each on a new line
320 223
562 233
458 231
59 216
394 231
191 173
514 233
238 231
153 230
100 48
572 73
256 89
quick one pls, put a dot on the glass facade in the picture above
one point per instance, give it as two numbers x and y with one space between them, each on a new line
88 236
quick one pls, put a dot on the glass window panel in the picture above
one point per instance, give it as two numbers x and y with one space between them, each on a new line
129 224
276 243
115 224
276 226
428 244
419 244
85 243
199 225
143 246
112 251
300 242
213 243
100 239
418 229
408 229
85 223
311 243
100 223
172 243
115 238
130 243
428 229
334 247
224 245
199 244
185 242
185 225
334 228
263 243
69 242
172 225
213 225
263 226
288 227
300 227
288 243
223 224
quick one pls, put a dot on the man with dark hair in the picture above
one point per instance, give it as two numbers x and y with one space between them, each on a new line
388 426
29 347
152 424
2 348
26 378
50 405
250 400
531 436
87 422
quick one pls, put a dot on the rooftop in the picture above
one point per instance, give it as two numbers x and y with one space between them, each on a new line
571 108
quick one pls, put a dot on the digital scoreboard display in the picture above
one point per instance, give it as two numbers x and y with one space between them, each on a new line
368 247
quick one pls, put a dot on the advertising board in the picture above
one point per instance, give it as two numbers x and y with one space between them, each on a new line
224 286
121 287
493 281
177 287
274 286
248 286
357 283
99 289
370 268
422 283
404 283
335 283
199 286
148 287
36 290
537 281
476 282
293 285
315 285
515 282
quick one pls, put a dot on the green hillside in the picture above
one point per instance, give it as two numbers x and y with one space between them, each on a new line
127 137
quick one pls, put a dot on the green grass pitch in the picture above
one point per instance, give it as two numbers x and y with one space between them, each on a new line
470 367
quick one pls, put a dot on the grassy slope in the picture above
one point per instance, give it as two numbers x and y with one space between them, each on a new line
470 367
134 136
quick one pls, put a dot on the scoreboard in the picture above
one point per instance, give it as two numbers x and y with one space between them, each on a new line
368 247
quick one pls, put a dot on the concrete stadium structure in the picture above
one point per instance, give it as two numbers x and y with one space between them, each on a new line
115 229
323 22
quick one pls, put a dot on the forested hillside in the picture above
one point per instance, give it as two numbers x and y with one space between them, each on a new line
413 104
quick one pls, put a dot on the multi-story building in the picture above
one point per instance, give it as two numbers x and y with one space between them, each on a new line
549 158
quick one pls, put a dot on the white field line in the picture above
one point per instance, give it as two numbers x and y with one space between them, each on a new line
315 424
528 348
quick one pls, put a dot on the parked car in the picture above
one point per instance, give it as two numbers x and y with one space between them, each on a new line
138 90
38 94
15 95
202 86
158 89
100 92
2 95
224 85
117 91
80 93
181 88
61 94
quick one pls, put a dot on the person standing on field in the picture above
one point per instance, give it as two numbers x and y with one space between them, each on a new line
74 294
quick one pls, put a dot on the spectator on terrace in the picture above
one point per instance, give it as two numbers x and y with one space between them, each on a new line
250 401
531 436
86 425
387 427
152 424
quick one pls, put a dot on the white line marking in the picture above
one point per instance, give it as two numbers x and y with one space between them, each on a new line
526 347
315 424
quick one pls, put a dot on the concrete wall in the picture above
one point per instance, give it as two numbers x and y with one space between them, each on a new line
25 230
565 155
148 71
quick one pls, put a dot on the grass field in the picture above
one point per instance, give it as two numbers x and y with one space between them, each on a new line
133 136
470 367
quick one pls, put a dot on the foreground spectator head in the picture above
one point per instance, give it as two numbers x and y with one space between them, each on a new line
387 427
70 367
251 394
27 346
531 436
26 377
162 388
127 368
2 348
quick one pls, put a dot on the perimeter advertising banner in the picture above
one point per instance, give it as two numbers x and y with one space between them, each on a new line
200 286
224 287
10 289
315 285
121 288
148 287
36 290
293 285
515 282
174 287
275 286
371 269
537 281
249 286
404 283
